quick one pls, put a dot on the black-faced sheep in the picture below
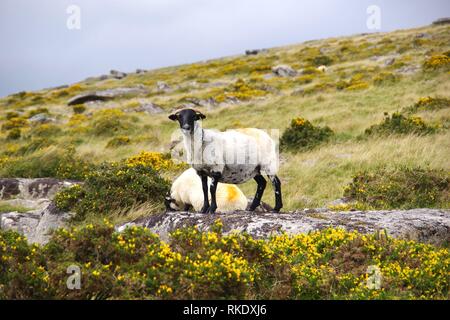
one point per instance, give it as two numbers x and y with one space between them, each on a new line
234 156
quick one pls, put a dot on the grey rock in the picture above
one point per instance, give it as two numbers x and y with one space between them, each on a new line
425 225
117 74
254 52
423 35
108 94
196 102
31 189
150 108
389 62
339 201
284 71
442 21
162 86
41 118
36 195
35 225
408 70
9 188
140 71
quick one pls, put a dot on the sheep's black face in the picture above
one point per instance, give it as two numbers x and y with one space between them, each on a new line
186 118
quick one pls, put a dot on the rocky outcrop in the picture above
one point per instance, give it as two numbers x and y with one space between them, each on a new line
31 189
35 225
441 21
425 225
284 71
35 195
104 95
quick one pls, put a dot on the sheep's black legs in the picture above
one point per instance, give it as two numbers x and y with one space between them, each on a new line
277 187
205 193
214 181
259 191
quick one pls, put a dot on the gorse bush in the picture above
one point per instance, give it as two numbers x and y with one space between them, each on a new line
118 142
321 60
441 61
401 188
400 124
136 264
429 104
240 90
113 187
110 122
302 135
384 78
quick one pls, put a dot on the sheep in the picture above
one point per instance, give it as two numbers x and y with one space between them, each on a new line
186 191
234 156
322 68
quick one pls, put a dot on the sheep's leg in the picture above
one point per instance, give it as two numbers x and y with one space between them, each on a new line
205 193
259 191
213 188
277 187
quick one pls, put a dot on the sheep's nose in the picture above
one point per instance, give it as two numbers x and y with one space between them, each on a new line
186 127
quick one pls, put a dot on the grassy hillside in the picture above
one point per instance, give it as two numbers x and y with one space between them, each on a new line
361 84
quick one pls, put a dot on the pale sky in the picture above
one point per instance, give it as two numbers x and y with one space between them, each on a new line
38 50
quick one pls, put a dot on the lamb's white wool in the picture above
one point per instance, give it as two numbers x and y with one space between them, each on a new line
237 154
187 190
322 68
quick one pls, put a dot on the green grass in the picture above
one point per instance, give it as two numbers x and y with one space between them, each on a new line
6 207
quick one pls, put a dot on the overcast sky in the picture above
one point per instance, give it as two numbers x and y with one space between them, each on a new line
38 50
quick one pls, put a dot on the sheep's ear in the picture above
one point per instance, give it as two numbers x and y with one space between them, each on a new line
173 116
199 115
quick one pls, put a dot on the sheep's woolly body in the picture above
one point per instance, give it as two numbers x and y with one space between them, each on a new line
187 190
237 154
322 68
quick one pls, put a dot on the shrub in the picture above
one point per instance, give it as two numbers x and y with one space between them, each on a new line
357 86
136 264
113 187
429 104
305 79
36 143
45 130
400 124
110 122
48 162
16 122
14 134
12 114
355 83
78 109
385 78
401 188
240 90
118 142
156 160
436 62
321 60
302 135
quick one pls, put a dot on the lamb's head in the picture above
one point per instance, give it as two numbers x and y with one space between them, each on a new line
187 119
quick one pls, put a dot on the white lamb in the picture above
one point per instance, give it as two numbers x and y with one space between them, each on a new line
234 156
186 191
322 68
